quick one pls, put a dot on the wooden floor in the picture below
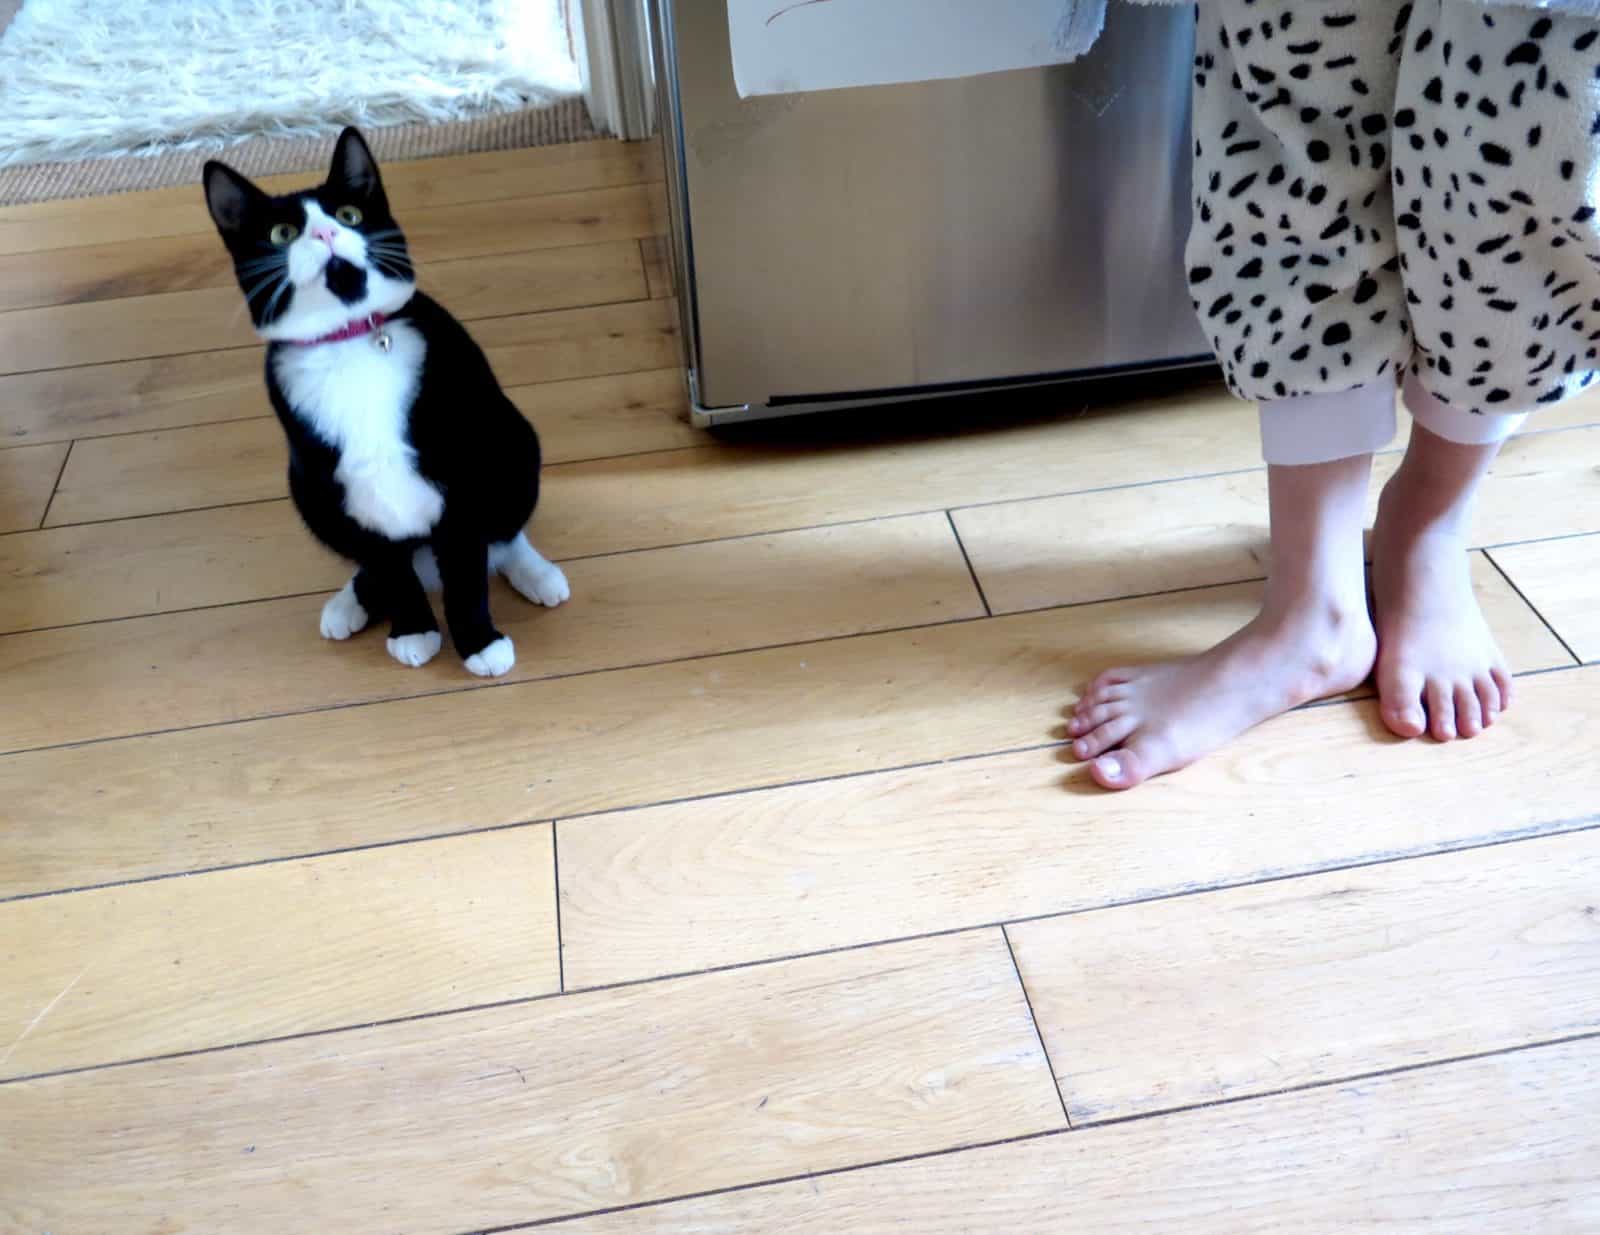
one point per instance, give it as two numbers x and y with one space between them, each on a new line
761 896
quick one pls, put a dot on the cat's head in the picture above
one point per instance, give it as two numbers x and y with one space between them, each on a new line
314 261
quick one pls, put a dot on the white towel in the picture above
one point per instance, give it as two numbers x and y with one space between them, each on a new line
790 46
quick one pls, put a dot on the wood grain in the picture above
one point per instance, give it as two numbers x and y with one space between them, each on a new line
657 254
1190 533
766 485
412 185
104 571
588 342
800 1067
445 233
1013 836
139 396
183 964
1206 998
195 321
1523 637
245 460
173 469
609 505
27 478
335 779
598 417
263 554
131 396
181 669
1561 579
1482 1147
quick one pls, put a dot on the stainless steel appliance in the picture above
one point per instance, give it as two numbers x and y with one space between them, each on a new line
858 246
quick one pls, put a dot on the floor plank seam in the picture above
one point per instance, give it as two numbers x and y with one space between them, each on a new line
155 613
799 1177
1519 1048
854 1168
1533 608
245 347
972 572
205 351
55 488
268 415
274 860
1038 1031
101 437
949 512
555 874
466 688
486 684
575 816
1552 828
1537 832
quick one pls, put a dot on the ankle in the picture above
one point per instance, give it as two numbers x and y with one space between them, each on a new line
1416 502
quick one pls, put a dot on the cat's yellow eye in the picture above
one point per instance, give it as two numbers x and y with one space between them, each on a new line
283 233
348 215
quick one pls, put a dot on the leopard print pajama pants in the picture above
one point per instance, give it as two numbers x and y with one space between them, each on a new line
1395 191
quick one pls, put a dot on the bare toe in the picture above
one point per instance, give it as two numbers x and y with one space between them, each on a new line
1090 720
1505 682
1441 711
1488 700
1143 757
1469 712
1401 695
1105 737
1111 677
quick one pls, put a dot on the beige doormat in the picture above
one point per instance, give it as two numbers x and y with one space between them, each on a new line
567 121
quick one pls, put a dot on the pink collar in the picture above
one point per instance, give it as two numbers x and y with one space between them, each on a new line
350 330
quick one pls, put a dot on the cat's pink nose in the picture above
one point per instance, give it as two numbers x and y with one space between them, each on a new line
324 232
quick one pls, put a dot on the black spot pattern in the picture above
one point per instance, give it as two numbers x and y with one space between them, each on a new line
1406 175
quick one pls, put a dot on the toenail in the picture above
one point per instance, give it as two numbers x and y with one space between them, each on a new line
1111 769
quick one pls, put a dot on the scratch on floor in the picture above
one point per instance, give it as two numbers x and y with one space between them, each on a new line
43 1012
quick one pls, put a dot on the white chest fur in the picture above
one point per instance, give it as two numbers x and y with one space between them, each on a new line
357 398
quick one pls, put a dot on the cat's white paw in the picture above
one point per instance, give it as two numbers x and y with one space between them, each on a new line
494 660
540 581
342 615
415 650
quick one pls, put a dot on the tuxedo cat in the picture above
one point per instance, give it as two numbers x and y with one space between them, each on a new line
404 454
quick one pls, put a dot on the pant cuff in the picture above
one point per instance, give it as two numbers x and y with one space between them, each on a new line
1455 425
1323 428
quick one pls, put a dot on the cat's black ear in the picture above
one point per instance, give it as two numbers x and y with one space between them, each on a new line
354 168
229 195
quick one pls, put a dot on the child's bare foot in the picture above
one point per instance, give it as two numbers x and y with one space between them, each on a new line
1439 669
1312 638
1158 718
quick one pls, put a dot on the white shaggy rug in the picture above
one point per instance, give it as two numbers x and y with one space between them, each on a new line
89 78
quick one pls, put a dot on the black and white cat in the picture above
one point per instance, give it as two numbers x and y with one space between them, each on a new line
404 454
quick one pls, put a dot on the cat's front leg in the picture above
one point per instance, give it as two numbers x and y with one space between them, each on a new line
464 570
388 587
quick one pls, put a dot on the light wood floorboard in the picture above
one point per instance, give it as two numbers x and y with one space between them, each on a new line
1013 836
1561 579
208 666
167 392
103 331
1206 998
1481 1147
547 1108
736 878
284 948
27 479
